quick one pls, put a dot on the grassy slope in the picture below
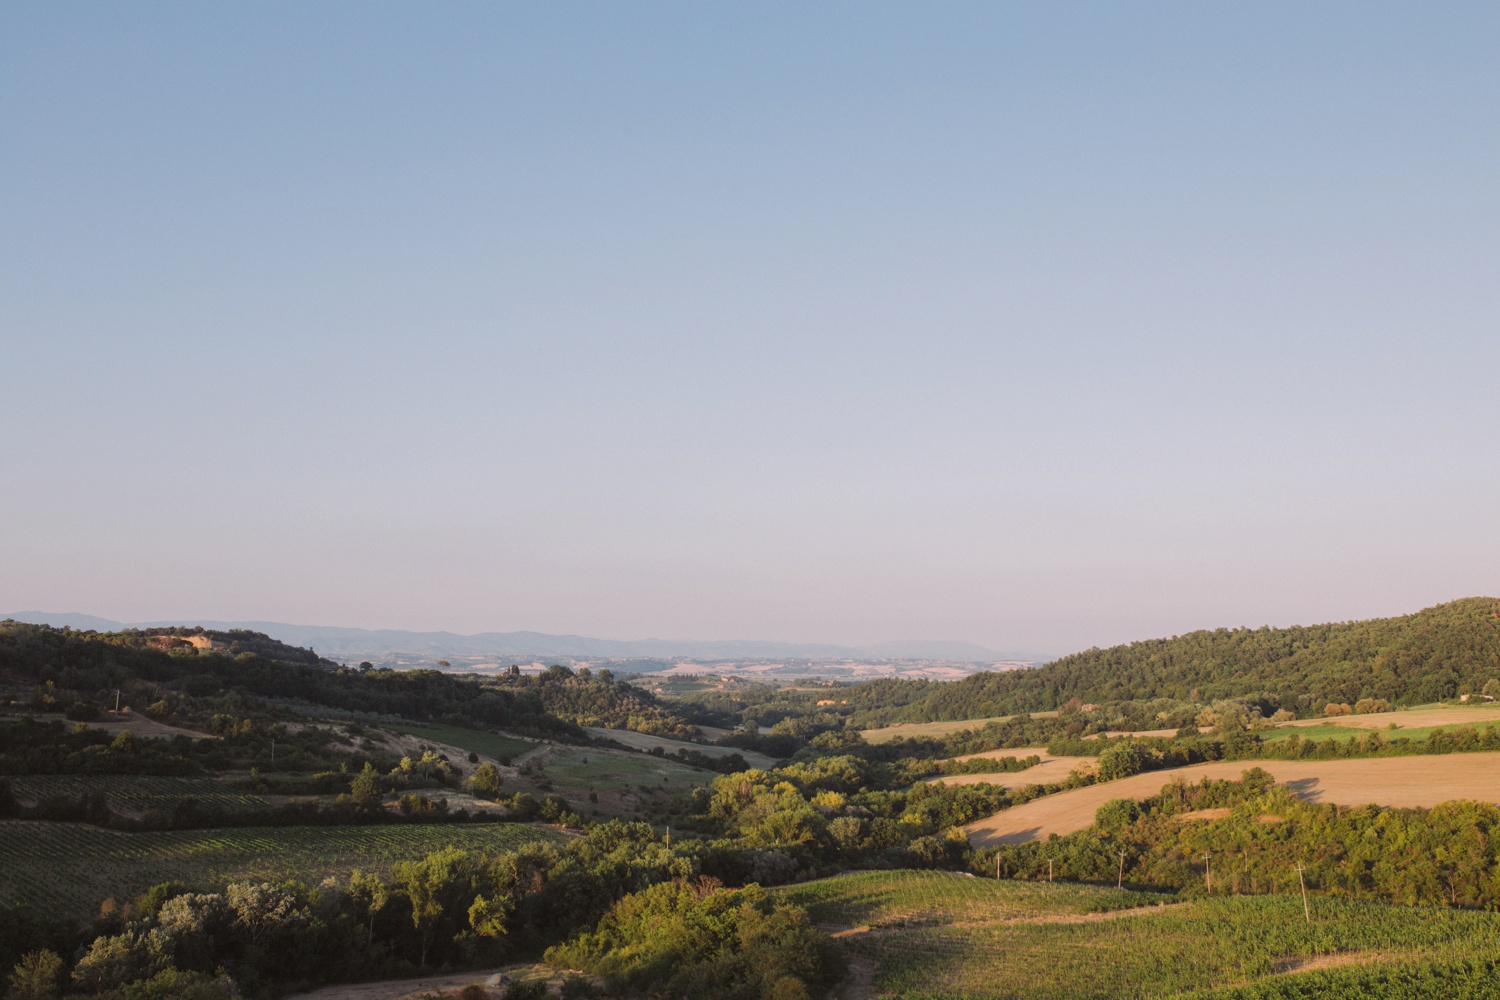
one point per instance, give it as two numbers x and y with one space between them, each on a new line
938 933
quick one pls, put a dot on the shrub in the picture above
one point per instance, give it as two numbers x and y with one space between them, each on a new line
1116 814
486 781
1121 760
37 976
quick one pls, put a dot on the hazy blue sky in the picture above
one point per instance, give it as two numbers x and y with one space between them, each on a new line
1036 325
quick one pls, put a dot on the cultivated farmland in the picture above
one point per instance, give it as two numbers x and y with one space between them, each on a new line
648 742
914 730
1051 769
135 794
937 933
617 771
66 869
490 744
1385 781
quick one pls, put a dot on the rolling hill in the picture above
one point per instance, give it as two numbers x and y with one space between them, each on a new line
1432 655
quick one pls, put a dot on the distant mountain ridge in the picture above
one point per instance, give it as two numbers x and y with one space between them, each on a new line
358 643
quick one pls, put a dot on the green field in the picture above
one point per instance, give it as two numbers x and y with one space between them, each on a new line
1333 731
587 771
930 934
475 740
887 898
67 869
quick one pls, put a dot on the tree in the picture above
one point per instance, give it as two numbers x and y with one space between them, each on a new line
486 780
37 976
124 958
257 907
1121 760
366 786
371 893
435 886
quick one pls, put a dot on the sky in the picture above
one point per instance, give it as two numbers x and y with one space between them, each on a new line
1036 325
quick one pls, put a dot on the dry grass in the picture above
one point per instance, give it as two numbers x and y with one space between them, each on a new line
1051 769
1415 718
1385 781
645 741
904 730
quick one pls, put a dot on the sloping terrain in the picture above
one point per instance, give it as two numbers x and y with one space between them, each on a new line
1385 781
926 933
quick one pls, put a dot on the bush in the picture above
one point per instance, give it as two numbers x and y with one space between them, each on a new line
486 781
1121 760
535 989
82 711
692 939
1116 814
37 976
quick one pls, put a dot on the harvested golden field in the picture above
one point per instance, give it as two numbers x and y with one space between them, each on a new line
903 730
1049 770
1385 781
1020 753
1422 717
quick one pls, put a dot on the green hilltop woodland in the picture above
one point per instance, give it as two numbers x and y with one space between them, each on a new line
1432 655
371 875
155 663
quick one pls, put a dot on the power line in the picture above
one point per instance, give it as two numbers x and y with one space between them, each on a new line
1306 913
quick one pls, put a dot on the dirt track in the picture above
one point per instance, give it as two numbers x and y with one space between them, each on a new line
1386 781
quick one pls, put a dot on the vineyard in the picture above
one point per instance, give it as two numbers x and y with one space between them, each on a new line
476 740
937 934
134 794
894 898
615 771
65 869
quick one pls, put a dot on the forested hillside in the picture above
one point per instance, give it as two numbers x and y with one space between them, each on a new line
1432 655
162 667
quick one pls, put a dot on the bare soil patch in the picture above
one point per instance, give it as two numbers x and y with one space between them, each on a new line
395 989
1312 963
1020 753
1204 814
1385 781
141 725
859 983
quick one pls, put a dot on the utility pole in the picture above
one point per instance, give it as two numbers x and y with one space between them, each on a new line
117 701
1120 882
273 751
1208 875
997 865
1306 913
669 838
1049 869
